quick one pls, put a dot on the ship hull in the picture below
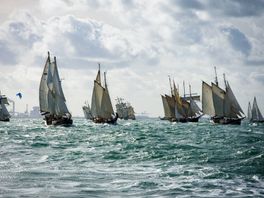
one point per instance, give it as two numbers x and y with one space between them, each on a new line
59 121
224 120
183 120
196 119
5 120
107 121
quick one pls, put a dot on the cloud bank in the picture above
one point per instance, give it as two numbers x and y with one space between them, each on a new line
139 43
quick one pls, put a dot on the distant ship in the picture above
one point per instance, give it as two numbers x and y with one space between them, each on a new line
87 111
101 109
220 104
180 109
254 114
4 114
51 98
124 110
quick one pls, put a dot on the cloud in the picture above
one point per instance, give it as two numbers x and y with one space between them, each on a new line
238 40
138 42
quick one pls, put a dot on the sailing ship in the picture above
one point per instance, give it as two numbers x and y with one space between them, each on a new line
52 101
87 111
101 106
4 114
254 114
180 109
220 104
124 110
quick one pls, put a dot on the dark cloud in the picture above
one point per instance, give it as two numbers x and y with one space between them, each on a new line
238 40
189 4
6 55
236 8
252 62
86 39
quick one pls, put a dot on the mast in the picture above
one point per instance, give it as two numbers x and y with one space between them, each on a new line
224 80
183 89
216 80
190 98
105 80
170 84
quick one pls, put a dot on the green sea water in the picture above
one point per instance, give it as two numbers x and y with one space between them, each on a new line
142 158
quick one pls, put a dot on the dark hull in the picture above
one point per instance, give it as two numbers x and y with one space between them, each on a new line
257 121
183 120
61 121
196 119
223 120
107 121
5 120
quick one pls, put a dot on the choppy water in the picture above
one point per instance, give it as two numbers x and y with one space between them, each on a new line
140 158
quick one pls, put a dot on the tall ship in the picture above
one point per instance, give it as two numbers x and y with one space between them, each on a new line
4 114
180 109
221 104
254 114
124 110
101 110
52 101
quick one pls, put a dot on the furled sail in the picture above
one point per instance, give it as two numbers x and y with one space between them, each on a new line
207 99
256 114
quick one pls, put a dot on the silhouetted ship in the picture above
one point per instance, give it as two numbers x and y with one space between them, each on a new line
254 114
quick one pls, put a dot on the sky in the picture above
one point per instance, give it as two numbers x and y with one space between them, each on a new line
138 43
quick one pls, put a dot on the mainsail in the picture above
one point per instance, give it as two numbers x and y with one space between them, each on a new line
207 99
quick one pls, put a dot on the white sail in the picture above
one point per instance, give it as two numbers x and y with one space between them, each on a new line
43 88
107 108
232 108
171 103
249 115
165 107
207 99
195 109
218 98
256 114
60 105
97 97
51 97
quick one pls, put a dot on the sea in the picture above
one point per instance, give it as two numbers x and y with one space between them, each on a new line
141 158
